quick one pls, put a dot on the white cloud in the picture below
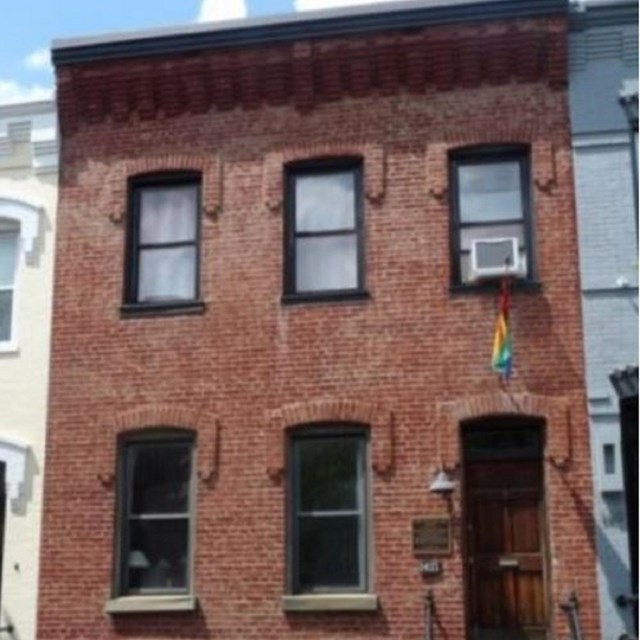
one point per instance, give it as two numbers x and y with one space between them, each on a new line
215 10
311 5
38 59
13 92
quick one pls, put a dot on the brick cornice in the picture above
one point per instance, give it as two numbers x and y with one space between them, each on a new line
274 162
332 412
308 73
113 194
201 422
555 411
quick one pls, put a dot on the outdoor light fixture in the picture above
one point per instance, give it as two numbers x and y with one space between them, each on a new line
442 484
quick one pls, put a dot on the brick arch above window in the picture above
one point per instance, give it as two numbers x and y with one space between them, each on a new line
543 155
372 155
330 412
555 411
203 424
113 196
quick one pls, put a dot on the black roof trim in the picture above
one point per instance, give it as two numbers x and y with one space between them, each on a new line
625 382
609 14
317 24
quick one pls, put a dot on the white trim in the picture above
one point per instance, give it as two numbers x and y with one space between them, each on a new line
331 602
609 139
144 604
14 453
27 215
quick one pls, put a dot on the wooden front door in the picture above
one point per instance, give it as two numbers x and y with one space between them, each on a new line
505 549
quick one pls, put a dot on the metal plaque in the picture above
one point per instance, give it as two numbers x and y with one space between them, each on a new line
432 537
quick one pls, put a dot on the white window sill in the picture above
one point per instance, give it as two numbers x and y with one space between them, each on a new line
145 604
8 347
331 602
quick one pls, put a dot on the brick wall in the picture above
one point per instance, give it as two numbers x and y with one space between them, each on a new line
397 361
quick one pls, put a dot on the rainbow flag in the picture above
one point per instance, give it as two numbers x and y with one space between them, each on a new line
502 357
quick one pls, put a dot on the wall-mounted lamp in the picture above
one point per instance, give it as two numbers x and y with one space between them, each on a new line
442 484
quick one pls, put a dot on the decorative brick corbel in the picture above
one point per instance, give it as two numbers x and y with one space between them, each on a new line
330 412
436 171
113 195
372 154
543 165
203 424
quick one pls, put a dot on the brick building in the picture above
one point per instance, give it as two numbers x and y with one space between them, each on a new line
267 345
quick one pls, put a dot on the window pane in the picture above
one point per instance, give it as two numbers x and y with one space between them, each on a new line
329 555
609 459
327 263
158 555
159 478
329 470
325 202
490 192
167 274
8 247
168 214
6 305
498 231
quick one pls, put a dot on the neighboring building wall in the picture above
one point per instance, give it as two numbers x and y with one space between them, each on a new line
412 361
28 195
603 54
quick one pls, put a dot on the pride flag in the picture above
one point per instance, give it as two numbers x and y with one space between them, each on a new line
502 357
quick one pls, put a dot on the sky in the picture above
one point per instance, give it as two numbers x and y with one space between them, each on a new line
29 26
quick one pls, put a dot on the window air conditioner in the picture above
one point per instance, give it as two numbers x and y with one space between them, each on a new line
495 258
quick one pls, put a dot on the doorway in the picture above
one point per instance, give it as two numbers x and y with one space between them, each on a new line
505 531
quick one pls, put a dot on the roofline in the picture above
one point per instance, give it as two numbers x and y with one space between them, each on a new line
316 24
594 13
36 107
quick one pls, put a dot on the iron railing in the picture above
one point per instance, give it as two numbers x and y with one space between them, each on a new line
429 607
571 607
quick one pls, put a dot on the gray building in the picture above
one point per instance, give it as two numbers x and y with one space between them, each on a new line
604 65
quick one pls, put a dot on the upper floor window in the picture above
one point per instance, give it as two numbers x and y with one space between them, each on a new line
155 516
328 511
9 238
324 230
164 237
490 199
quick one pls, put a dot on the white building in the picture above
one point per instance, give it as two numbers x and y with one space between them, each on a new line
603 49
28 197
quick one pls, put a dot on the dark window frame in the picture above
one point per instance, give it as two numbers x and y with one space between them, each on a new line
483 155
131 305
160 436
319 431
321 167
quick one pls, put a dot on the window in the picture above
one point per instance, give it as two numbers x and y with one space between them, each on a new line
164 237
489 199
328 512
155 506
9 236
324 239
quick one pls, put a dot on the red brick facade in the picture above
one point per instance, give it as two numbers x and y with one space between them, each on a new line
411 362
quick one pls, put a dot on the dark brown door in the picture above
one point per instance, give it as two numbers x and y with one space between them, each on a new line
505 549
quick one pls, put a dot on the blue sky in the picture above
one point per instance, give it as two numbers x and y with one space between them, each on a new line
29 26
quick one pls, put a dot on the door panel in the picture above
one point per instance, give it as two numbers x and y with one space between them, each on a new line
505 550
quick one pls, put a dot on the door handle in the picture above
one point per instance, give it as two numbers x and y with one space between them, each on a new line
508 563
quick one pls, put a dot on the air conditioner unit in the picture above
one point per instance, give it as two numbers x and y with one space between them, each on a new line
496 258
